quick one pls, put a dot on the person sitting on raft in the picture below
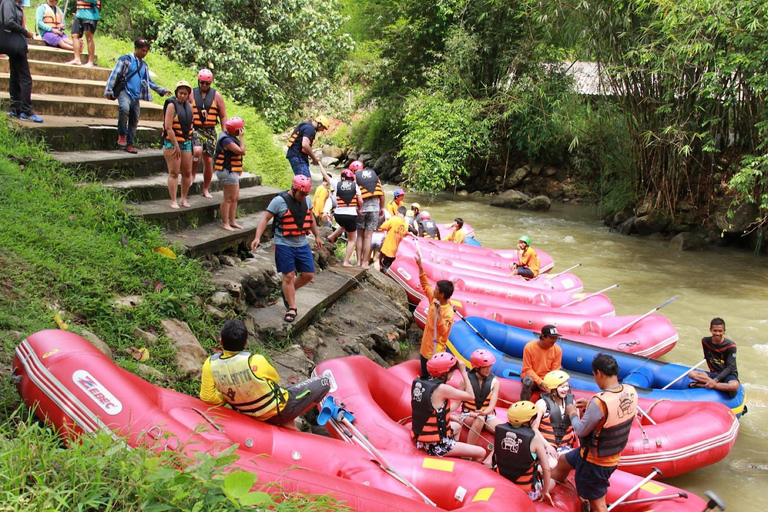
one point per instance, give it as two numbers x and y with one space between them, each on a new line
720 354
439 317
459 234
539 358
519 455
552 422
396 202
250 385
480 414
527 264
427 227
432 430
412 217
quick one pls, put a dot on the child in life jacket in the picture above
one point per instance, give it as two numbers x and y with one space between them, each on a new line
552 422
480 414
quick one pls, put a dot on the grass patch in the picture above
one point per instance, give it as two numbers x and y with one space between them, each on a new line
264 156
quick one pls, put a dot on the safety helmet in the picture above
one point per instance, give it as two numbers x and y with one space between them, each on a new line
183 83
425 215
526 239
234 124
356 165
399 192
440 364
481 358
301 183
416 205
348 175
322 120
520 412
205 75
410 213
554 378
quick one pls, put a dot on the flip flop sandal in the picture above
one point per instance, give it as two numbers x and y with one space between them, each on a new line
290 315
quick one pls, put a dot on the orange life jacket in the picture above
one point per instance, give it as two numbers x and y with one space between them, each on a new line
288 225
428 425
81 4
182 119
224 159
482 393
207 104
603 445
53 19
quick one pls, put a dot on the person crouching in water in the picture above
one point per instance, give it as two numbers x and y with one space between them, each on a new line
432 430
520 455
552 422
228 163
480 413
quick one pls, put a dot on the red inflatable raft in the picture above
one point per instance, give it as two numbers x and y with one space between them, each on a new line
684 437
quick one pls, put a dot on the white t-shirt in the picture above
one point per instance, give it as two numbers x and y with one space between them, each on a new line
344 210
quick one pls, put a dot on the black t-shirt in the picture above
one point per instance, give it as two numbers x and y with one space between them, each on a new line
721 359
304 129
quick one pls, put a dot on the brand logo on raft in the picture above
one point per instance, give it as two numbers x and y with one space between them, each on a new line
404 273
97 392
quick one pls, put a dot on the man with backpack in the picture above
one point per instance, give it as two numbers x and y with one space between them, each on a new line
128 83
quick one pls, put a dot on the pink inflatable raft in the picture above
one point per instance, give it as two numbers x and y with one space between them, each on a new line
677 438
650 336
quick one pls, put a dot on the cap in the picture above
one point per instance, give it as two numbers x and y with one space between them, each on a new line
549 330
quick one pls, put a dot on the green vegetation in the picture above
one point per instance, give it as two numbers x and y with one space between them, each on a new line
99 474
264 157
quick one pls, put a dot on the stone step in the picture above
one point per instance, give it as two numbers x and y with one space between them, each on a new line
115 164
311 300
49 54
65 133
155 187
38 67
202 211
70 106
211 238
60 86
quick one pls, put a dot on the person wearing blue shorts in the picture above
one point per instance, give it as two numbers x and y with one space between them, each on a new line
293 221
604 431
177 142
300 145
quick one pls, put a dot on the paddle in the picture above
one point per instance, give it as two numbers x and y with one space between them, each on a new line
473 328
633 322
636 487
686 373
657 498
560 273
713 502
589 296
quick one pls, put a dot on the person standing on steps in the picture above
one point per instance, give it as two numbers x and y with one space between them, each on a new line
300 145
50 23
293 221
86 19
603 430
373 208
177 142
208 107
128 83
13 42
228 161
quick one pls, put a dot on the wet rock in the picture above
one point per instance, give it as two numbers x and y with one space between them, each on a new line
620 217
215 313
510 199
627 227
96 342
333 152
147 337
293 361
652 223
539 204
189 353
384 163
477 193
688 242
366 158
738 219
462 193
227 260
329 161
222 299
517 177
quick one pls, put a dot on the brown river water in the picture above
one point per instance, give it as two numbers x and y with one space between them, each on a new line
729 283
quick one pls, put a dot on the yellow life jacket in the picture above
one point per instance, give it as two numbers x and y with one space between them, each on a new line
242 389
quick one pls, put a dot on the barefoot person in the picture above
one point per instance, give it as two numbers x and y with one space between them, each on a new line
177 142
349 200
480 414
50 24
720 353
228 162
86 19
373 207
250 385
209 110
294 220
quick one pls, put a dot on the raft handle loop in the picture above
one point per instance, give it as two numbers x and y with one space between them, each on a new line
207 418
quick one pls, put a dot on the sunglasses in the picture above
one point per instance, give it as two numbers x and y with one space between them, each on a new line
203 83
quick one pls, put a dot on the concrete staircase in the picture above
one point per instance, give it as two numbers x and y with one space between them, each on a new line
80 128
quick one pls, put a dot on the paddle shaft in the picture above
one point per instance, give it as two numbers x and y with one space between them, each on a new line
646 415
589 296
655 498
636 487
633 322
473 328
563 272
686 373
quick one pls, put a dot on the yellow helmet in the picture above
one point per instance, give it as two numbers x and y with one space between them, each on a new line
554 378
323 121
520 412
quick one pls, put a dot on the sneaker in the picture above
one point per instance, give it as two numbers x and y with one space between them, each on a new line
13 114
131 149
31 117
122 140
